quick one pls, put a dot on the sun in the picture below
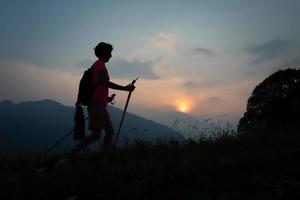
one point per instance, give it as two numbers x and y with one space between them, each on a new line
183 104
183 107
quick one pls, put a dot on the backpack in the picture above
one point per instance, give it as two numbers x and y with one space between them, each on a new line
86 88
79 126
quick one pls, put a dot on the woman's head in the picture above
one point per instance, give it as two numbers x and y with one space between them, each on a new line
103 51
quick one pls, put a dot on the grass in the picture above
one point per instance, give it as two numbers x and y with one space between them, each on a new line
224 168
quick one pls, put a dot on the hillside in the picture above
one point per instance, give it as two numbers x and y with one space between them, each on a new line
226 168
28 128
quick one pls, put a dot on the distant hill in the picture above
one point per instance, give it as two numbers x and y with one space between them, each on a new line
28 128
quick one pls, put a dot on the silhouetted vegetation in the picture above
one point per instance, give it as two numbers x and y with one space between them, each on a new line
224 168
273 110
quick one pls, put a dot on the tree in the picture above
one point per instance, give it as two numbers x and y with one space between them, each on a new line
274 106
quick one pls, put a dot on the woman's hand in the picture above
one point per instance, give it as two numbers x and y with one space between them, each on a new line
129 88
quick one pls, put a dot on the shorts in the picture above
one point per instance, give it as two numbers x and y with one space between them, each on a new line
99 118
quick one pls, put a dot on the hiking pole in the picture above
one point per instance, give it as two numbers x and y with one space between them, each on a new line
125 108
110 100
59 141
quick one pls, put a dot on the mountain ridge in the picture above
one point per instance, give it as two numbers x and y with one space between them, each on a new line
29 127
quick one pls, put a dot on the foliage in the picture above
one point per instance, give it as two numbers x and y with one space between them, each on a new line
226 167
274 107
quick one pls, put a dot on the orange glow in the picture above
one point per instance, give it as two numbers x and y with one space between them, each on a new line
183 106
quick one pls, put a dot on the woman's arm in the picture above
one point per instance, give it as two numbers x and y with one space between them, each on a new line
115 86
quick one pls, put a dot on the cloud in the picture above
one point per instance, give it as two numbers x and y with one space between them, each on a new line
165 40
293 63
214 100
24 81
267 50
203 84
84 63
120 68
271 56
190 85
204 51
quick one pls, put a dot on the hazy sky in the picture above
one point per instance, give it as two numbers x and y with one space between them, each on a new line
203 57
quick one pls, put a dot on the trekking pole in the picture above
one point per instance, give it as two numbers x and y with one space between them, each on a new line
111 100
125 108
59 141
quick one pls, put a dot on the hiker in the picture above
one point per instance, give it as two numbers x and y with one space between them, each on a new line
98 116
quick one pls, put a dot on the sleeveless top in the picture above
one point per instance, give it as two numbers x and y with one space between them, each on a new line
101 91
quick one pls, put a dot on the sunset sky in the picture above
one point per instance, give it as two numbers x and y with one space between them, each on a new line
201 57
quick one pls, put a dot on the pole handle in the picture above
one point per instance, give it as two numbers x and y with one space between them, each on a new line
133 82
